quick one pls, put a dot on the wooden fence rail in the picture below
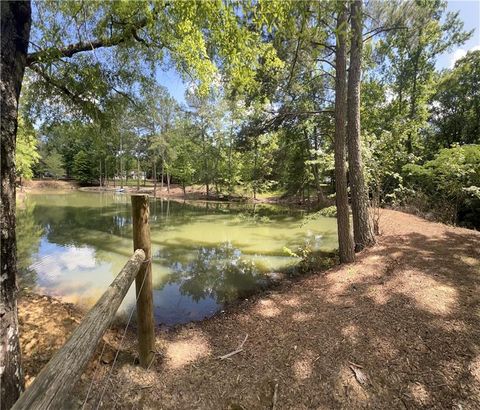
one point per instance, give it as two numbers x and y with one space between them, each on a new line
51 387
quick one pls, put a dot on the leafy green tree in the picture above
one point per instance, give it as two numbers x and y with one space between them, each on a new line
451 182
82 168
456 105
258 164
425 31
26 154
53 164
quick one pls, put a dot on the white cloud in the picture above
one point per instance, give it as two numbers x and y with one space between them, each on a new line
460 53
72 259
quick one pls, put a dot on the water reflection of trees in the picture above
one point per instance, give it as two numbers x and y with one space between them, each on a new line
218 272
104 222
68 222
29 234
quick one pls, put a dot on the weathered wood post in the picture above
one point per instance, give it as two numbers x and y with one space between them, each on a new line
143 281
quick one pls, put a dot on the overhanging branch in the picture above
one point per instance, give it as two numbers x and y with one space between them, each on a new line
74 97
72 49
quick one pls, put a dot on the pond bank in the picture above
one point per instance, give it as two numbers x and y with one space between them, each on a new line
192 193
405 316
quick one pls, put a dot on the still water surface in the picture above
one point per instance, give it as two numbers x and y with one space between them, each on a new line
72 245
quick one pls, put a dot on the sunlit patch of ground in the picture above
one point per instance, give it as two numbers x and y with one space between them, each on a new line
419 393
302 317
348 388
351 332
267 308
186 350
303 368
292 302
426 292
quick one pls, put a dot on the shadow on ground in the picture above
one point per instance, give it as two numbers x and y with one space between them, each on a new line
406 315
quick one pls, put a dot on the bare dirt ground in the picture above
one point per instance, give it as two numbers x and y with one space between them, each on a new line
47 184
400 328
176 191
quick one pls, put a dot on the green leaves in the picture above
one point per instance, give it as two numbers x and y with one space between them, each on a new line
453 177
26 155
82 168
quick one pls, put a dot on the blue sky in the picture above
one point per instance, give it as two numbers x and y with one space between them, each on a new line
469 13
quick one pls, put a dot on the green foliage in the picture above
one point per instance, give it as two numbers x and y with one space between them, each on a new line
260 99
452 179
310 260
26 155
29 233
329 211
258 163
53 164
456 105
82 168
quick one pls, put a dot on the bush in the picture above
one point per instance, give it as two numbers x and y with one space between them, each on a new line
451 184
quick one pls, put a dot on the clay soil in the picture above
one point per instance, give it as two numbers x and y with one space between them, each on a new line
398 329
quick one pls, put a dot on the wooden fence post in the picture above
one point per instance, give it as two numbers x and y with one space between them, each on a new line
143 281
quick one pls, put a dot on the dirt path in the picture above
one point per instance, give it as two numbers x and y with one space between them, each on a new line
406 316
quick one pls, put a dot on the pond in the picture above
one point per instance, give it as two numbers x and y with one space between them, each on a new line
72 245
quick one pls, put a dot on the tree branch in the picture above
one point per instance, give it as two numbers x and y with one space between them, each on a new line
374 32
72 49
74 97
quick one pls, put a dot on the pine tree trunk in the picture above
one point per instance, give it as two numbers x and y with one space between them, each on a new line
345 239
106 172
138 175
161 186
362 225
155 178
15 29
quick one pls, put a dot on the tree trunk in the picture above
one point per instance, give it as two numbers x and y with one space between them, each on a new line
106 172
413 98
121 172
155 178
15 29
362 225
316 174
138 175
161 186
168 182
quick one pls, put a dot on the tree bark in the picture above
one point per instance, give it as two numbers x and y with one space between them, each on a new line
138 174
345 239
155 178
161 186
15 29
362 225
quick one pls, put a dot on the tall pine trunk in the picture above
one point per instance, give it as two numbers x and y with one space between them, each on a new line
345 240
161 186
138 174
15 28
155 177
362 224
